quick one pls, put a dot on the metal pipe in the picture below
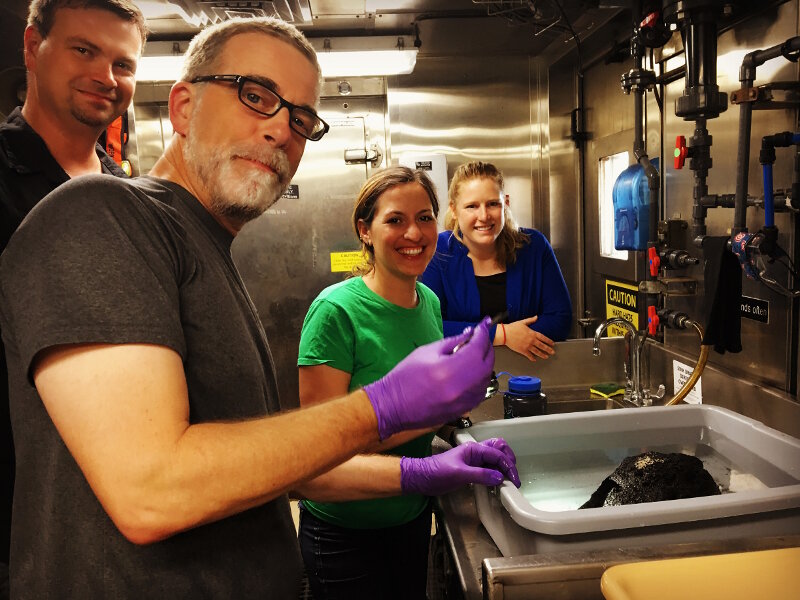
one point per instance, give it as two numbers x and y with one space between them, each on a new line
747 75
640 152
700 164
742 165
698 368
769 198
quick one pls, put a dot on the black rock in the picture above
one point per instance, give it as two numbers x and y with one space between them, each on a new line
651 477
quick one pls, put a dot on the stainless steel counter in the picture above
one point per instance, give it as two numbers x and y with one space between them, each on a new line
482 572
485 574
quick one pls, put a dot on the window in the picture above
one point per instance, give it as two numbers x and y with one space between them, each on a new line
609 168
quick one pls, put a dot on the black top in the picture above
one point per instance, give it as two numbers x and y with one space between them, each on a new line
492 292
134 261
28 172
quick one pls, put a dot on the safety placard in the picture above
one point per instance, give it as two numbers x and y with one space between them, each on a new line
680 375
755 309
622 300
342 262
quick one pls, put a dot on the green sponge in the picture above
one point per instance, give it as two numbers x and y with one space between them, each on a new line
607 389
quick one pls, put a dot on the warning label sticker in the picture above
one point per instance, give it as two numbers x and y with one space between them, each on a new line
343 262
622 300
680 375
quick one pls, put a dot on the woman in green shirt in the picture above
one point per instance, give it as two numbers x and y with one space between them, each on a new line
354 333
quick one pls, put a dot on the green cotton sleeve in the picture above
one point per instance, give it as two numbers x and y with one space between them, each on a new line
327 337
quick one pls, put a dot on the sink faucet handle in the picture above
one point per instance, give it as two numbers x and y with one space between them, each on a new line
648 398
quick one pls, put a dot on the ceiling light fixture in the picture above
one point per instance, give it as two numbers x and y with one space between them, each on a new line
338 57
162 61
365 56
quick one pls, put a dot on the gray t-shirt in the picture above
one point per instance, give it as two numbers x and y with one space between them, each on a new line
106 260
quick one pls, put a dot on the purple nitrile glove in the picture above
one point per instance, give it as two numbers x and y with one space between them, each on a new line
432 385
487 463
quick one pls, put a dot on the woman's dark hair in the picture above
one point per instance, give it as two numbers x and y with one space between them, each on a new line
380 182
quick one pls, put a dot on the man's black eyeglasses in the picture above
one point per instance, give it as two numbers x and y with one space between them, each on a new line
264 101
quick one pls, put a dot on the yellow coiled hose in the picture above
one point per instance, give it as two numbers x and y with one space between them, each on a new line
698 368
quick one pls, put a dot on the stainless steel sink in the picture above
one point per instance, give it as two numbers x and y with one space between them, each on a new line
578 399
580 405
559 400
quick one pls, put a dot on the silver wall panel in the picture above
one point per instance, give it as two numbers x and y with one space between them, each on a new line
467 109
492 108
150 127
767 346
562 161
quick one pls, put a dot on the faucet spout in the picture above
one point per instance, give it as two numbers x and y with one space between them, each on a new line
635 347
605 325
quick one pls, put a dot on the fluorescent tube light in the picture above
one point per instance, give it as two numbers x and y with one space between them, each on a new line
338 57
159 68
365 56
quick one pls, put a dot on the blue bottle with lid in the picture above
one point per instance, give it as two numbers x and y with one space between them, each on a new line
524 398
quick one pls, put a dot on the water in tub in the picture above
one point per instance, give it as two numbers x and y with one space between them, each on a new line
561 474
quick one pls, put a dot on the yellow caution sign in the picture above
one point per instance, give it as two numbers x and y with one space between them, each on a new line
622 300
343 262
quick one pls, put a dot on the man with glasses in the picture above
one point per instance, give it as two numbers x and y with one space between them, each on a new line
258 96
141 378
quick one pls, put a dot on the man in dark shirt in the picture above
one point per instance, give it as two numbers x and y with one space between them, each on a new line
142 387
81 58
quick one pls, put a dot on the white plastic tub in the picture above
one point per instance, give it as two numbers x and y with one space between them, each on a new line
563 458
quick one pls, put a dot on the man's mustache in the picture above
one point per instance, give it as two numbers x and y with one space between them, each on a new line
275 159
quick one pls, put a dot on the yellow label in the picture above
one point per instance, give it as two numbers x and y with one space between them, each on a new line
622 300
342 262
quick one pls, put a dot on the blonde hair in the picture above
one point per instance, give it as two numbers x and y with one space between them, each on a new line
373 188
511 238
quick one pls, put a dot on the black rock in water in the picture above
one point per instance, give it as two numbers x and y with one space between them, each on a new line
654 476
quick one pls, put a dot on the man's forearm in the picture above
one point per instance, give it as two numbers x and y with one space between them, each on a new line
123 412
362 477
219 469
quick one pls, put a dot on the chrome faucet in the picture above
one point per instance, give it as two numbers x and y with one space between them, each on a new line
633 376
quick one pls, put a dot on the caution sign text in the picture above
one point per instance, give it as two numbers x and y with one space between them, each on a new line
622 300
343 262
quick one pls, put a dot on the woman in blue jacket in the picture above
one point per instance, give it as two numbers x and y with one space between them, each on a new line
487 265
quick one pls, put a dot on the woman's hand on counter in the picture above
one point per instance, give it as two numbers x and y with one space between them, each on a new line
531 344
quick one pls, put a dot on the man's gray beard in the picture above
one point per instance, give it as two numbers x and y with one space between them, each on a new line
232 196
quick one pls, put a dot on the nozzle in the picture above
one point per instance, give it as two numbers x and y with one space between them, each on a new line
677 259
674 319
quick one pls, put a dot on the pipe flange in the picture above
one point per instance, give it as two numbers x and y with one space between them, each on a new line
638 80
675 11
698 103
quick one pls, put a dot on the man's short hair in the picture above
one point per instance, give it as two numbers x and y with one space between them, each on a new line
206 47
42 13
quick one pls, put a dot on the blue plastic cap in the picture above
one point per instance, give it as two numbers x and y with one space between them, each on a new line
524 384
